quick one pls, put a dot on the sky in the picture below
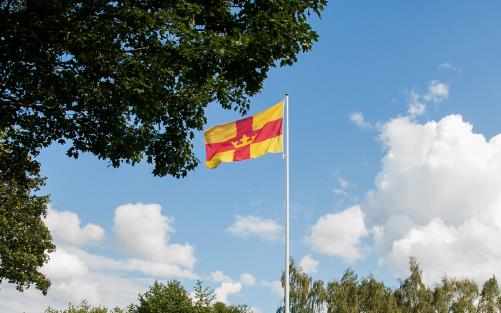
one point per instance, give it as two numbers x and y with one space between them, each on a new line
395 123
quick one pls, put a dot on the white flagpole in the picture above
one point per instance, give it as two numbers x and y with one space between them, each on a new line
286 203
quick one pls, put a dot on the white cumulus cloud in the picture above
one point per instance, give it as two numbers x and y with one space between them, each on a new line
339 234
246 226
74 280
247 279
226 289
63 266
150 268
65 226
142 230
438 197
308 264
228 285
77 274
220 277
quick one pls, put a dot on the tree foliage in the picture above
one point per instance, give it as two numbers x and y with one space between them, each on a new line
127 81
25 241
306 295
170 297
85 307
351 294
413 296
490 297
203 297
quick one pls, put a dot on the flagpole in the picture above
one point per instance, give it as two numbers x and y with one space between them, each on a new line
286 156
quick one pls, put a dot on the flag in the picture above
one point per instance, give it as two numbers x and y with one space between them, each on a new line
247 138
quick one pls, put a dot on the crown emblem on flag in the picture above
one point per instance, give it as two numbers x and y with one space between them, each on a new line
243 141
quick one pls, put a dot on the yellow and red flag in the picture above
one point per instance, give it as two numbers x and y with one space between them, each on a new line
247 138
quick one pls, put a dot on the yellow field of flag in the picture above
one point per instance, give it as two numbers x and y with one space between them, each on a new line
247 138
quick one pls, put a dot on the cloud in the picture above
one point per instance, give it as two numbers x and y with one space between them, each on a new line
68 274
416 107
30 301
142 230
308 264
470 249
438 197
357 119
446 66
247 279
65 226
246 226
77 274
150 268
226 289
220 277
339 234
275 286
228 285
436 92
63 265
72 281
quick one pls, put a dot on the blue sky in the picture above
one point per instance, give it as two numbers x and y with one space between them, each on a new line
391 119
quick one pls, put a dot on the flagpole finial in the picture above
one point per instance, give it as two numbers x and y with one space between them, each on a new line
286 93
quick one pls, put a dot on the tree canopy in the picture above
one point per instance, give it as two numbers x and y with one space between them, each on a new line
25 240
126 81
169 297
351 294
130 80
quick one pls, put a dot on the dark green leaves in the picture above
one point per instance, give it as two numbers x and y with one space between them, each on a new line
25 241
127 81
173 298
130 80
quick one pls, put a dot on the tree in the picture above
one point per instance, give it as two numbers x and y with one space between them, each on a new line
163 298
84 307
490 297
25 241
465 296
306 295
413 296
342 296
128 81
443 296
374 297
353 295
169 297
203 298
220 307
173 298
